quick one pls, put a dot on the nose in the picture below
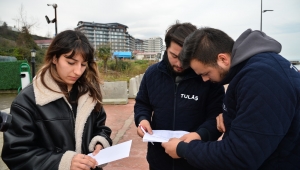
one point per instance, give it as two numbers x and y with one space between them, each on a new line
77 69
178 63
205 78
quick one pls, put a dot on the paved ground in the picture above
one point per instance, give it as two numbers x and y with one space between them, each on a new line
120 120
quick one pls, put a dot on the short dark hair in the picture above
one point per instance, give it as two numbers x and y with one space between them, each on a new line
204 45
178 32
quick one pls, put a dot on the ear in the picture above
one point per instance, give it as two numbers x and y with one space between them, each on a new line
223 59
54 60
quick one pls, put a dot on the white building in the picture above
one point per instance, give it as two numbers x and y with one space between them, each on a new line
153 45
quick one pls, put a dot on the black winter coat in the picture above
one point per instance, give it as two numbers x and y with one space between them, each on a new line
188 104
45 134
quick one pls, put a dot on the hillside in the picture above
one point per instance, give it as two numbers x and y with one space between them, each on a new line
19 44
12 35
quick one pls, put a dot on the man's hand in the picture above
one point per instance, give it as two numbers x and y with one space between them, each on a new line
190 136
146 126
221 137
170 147
220 123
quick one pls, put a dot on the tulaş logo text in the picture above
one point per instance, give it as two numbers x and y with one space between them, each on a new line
187 96
294 67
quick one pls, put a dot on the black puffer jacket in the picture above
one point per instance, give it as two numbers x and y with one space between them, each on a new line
44 133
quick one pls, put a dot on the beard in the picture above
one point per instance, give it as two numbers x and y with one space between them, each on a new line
174 72
171 68
222 73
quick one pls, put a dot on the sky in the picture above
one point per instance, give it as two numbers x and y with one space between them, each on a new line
150 18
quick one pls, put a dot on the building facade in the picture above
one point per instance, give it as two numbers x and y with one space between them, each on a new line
113 34
43 43
139 45
153 45
117 37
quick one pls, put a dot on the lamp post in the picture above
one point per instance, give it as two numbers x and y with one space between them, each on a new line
262 11
33 53
55 19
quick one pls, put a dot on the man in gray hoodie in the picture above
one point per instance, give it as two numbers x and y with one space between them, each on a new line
261 108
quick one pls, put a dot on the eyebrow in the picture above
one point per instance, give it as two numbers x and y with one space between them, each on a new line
173 53
200 74
73 59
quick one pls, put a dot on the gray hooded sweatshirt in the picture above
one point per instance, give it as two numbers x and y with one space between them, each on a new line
250 43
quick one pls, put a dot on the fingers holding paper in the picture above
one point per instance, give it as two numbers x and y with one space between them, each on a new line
82 161
170 147
190 136
144 127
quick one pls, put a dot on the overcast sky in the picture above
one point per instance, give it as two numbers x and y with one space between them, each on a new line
150 18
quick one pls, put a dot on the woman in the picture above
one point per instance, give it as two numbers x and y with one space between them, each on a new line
59 118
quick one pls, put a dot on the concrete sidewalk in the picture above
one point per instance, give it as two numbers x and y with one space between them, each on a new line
120 120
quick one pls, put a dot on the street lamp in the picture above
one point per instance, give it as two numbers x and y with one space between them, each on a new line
55 19
33 53
262 11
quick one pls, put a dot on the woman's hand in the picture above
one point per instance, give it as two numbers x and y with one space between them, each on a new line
98 147
82 161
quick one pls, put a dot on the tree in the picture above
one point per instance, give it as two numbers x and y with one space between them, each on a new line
24 40
104 53
25 43
4 25
22 19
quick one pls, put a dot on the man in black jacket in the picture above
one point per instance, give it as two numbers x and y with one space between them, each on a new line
261 107
173 98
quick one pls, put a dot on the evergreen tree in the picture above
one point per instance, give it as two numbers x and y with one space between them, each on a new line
25 43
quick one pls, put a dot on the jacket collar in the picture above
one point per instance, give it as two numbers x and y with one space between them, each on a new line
44 96
233 71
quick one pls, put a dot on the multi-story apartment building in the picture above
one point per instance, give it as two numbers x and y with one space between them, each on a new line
117 36
114 34
130 42
139 45
153 45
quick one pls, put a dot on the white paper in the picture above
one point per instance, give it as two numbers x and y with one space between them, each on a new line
162 135
113 153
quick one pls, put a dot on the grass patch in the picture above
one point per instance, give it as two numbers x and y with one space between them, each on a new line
123 70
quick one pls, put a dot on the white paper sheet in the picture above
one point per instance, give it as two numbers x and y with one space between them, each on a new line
162 135
113 153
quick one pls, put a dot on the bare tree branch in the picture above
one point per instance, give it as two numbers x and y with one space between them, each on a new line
21 19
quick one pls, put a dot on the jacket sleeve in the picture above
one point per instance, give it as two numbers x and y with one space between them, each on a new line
101 132
264 113
208 130
21 149
142 107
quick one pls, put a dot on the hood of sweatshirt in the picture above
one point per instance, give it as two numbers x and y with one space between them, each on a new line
250 43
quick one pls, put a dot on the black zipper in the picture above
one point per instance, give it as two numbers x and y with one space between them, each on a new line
174 117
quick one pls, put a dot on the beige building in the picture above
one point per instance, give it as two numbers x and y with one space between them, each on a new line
153 45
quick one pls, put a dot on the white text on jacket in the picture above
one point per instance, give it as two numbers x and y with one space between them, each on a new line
187 96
